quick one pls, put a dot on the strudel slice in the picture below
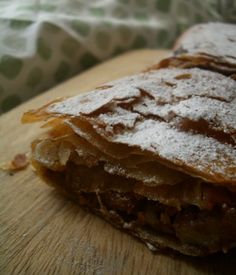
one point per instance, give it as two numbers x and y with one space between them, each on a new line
153 154
211 46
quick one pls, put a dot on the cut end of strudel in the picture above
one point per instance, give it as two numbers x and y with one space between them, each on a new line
153 154
209 46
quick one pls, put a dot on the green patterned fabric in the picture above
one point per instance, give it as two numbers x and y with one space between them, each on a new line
45 42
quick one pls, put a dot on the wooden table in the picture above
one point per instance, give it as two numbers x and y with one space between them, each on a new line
44 233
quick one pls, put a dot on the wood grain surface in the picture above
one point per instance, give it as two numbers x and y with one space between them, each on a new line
43 233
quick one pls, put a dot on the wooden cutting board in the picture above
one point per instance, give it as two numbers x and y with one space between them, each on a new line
44 233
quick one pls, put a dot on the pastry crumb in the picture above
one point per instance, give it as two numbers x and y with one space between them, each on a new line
18 163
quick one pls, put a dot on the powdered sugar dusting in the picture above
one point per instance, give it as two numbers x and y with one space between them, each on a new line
220 115
118 116
165 86
92 101
157 84
182 148
213 39
144 111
